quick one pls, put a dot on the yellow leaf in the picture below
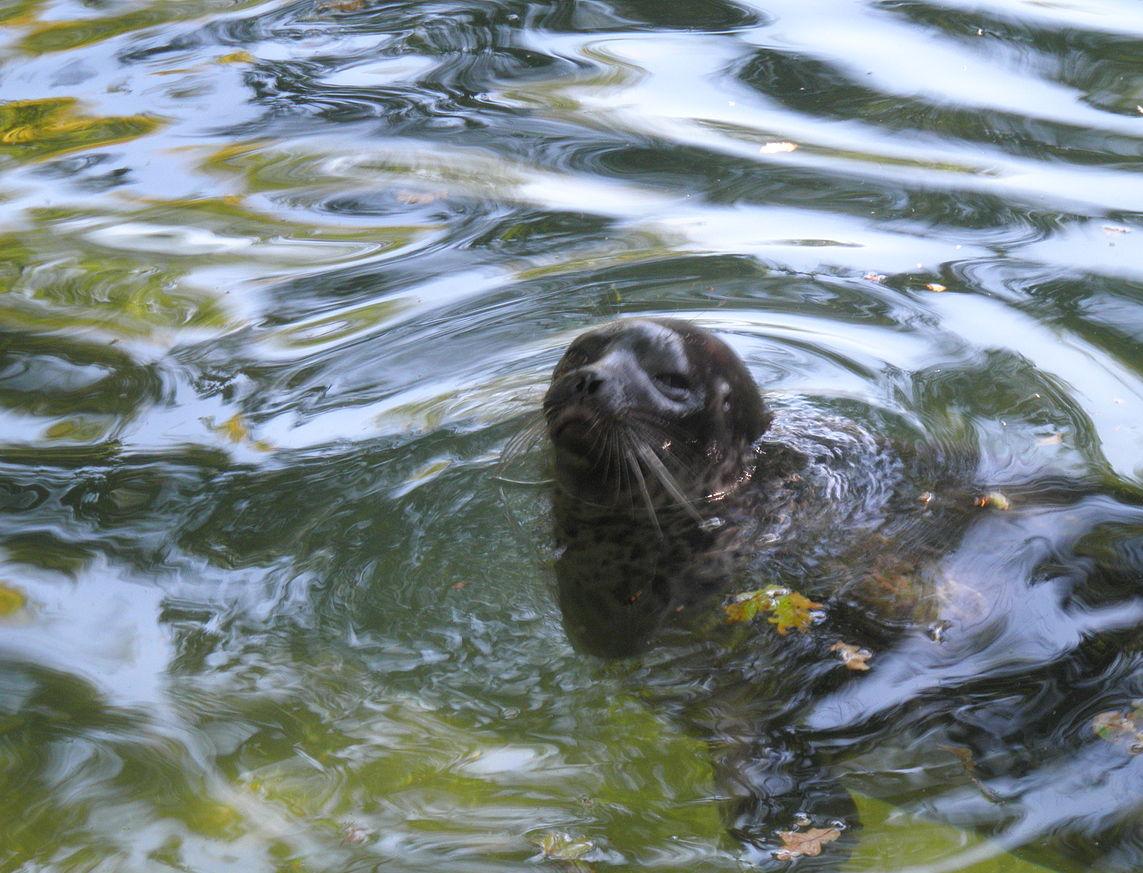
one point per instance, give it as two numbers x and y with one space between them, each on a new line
745 606
994 499
937 287
239 57
11 600
559 846
788 609
234 429
793 611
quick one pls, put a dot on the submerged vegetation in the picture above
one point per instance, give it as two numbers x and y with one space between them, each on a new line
279 281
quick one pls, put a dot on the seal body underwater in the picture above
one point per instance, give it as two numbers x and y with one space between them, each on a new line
676 486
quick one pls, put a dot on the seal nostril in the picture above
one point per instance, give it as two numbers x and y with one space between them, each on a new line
588 383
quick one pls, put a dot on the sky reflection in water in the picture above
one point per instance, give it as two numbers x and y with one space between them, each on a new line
281 279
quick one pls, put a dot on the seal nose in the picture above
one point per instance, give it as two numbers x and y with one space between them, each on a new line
587 383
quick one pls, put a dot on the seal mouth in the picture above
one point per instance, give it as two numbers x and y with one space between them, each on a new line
575 429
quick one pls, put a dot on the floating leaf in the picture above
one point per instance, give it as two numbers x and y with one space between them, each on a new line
994 499
805 844
560 846
893 837
11 600
1117 726
936 631
778 148
853 657
353 834
936 287
968 762
745 606
417 198
788 609
874 277
235 430
1111 228
239 57
793 611
75 430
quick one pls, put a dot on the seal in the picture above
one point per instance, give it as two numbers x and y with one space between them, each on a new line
676 487
654 423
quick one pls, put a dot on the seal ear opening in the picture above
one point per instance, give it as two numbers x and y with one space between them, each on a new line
749 416
766 417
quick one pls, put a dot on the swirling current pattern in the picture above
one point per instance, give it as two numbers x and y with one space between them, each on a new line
281 279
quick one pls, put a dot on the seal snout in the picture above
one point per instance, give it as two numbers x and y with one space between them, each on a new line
587 383
579 405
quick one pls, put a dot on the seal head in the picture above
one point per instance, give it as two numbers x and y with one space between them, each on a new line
657 412
653 424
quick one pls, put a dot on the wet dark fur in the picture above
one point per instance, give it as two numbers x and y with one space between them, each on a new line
671 494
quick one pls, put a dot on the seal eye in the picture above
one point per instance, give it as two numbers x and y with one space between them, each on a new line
673 381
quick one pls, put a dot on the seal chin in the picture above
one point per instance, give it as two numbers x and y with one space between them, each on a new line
574 429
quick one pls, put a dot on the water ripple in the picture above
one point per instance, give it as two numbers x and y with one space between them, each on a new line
282 278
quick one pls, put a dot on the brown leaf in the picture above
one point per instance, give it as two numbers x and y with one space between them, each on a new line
853 657
417 198
1122 727
353 834
805 844
936 287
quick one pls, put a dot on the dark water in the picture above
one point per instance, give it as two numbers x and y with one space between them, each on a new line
279 282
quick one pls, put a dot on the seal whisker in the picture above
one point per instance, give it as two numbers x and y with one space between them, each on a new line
648 456
523 440
675 451
520 444
637 473
614 469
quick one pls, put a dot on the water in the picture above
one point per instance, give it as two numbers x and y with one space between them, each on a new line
281 279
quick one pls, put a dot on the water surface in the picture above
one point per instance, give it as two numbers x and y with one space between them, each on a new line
281 279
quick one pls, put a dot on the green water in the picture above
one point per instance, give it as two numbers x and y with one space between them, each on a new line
278 281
